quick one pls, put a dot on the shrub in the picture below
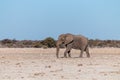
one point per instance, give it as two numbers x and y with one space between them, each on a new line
37 44
49 42
6 41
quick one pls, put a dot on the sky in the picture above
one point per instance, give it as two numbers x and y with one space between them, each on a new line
39 19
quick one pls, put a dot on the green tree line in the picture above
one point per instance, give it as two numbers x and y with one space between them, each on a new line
50 42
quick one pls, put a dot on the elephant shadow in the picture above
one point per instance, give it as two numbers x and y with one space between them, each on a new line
73 57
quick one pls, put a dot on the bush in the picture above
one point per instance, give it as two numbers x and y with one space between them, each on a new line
6 41
37 44
49 42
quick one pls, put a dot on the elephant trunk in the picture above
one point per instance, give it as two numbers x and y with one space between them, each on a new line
57 49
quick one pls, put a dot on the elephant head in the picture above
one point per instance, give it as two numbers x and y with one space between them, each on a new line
63 39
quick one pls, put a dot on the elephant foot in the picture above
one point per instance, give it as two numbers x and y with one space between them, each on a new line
69 56
65 56
57 56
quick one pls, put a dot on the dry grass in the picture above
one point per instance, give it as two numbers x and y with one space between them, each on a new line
42 64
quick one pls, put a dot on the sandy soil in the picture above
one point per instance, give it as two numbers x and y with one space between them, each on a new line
42 64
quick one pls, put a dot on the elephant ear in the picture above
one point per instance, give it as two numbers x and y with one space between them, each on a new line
68 39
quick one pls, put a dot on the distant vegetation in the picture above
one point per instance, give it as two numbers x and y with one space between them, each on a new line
104 43
46 43
50 43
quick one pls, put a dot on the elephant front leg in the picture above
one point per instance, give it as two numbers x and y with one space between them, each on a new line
87 52
69 54
68 49
65 54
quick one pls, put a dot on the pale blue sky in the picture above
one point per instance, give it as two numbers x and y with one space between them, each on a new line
38 19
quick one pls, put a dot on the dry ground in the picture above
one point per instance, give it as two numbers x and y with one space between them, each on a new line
42 64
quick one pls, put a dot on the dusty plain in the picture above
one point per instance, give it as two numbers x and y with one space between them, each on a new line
42 64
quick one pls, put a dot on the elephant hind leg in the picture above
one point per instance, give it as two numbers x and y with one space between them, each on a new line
81 54
87 52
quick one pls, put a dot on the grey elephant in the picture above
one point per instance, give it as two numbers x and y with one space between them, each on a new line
72 41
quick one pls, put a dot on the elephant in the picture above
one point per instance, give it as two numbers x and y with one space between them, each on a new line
72 41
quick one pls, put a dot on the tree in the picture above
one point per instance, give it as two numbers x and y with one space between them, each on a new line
49 42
